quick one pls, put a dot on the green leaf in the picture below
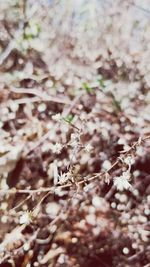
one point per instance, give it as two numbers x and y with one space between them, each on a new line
69 118
88 88
116 104
102 83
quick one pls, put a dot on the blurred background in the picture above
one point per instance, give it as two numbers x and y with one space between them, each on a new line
74 120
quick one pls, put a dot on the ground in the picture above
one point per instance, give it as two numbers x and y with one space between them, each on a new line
74 134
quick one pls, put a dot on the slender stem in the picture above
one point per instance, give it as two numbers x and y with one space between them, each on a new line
65 186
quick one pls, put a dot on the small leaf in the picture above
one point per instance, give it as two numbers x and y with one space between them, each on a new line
88 88
115 103
102 83
69 118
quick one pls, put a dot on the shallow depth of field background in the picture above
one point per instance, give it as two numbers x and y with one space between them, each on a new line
74 133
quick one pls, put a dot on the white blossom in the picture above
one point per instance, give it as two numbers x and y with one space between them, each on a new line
129 160
56 117
88 148
122 182
25 218
106 165
56 148
107 178
63 177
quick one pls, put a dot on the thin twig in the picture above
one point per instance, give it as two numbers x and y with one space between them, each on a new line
68 185
42 95
66 112
21 203
11 44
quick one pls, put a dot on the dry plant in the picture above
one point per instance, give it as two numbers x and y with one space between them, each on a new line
74 133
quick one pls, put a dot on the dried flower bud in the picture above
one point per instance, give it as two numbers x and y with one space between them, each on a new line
122 182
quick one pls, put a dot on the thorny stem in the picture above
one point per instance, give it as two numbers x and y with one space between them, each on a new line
68 185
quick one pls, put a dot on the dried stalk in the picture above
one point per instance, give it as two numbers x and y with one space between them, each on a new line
70 184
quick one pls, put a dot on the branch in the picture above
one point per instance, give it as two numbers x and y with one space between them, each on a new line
11 44
70 184
42 95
